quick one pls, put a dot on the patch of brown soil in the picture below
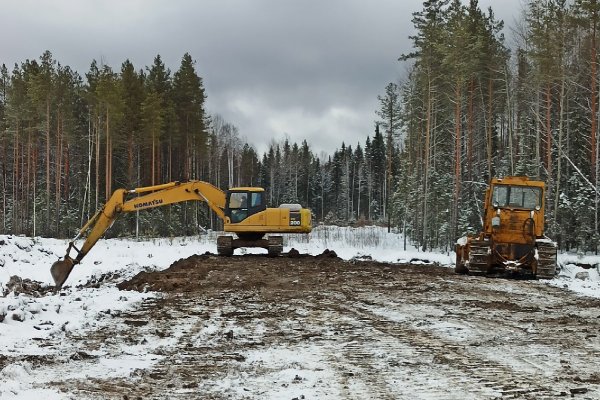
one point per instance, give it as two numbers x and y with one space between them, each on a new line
253 272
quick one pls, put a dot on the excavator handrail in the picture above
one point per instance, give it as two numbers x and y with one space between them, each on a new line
154 188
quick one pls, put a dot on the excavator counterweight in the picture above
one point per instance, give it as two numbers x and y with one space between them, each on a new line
243 211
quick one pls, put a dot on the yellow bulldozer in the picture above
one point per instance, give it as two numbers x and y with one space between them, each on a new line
512 240
243 211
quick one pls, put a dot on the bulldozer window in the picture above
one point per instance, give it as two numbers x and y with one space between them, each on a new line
530 197
517 196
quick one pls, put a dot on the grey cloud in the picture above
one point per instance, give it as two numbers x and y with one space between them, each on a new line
310 69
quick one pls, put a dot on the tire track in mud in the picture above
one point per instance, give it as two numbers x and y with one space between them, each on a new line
458 362
361 331
446 360
175 320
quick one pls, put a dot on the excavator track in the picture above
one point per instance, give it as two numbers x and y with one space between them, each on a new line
479 256
225 245
546 263
275 245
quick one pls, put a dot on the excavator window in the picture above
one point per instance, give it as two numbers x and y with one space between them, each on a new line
243 204
238 206
256 199
238 200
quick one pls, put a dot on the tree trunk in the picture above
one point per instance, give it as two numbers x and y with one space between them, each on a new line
4 181
593 102
67 180
428 125
511 148
595 167
561 115
594 122
457 155
57 181
35 160
28 183
153 168
97 163
130 159
48 165
170 161
15 182
470 130
108 157
489 128
548 130
538 155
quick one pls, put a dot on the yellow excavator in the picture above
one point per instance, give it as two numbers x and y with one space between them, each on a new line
243 211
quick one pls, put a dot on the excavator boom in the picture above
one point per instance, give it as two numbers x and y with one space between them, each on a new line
152 196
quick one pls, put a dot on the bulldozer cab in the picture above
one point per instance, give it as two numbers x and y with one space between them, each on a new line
244 202
515 209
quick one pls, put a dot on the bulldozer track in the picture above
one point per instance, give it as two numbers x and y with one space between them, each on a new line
546 263
479 258
252 327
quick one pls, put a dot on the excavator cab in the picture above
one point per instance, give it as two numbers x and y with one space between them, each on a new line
242 203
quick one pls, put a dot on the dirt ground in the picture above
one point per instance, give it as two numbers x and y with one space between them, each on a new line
319 327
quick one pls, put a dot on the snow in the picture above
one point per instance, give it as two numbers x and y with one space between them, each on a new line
584 281
24 319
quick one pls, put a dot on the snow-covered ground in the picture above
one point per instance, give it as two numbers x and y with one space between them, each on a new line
27 318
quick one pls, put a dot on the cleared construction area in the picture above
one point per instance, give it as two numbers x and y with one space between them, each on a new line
305 327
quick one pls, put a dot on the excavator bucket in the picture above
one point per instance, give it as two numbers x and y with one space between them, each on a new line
60 271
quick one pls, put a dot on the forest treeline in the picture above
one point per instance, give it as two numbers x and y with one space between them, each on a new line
68 142
471 107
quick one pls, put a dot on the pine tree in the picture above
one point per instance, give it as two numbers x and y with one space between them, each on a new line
4 86
110 101
40 92
164 134
390 113
188 99
152 124
132 89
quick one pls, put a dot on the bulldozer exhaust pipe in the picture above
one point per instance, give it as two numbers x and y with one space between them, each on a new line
60 271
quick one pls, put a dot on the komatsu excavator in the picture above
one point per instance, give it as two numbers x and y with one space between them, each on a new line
243 211
513 239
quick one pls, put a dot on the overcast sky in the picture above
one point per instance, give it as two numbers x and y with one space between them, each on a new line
303 69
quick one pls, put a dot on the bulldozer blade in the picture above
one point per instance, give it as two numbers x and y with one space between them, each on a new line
60 271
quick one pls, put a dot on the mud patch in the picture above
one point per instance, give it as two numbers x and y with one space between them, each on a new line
256 272
26 286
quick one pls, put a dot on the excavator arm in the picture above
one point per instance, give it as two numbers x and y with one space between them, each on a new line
149 197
